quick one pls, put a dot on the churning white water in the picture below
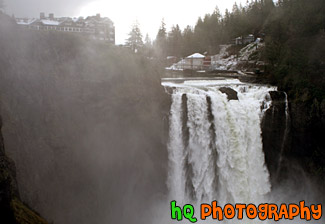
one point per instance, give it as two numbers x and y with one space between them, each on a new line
215 146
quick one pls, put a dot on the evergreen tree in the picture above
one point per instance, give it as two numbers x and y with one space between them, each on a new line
148 48
134 42
188 45
162 30
161 41
147 40
175 41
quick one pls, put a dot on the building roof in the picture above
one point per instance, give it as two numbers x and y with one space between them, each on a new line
50 22
75 19
25 21
65 21
196 55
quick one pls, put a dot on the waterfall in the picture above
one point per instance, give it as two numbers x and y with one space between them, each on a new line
176 153
285 135
221 156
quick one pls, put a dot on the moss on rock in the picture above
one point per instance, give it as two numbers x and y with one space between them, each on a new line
25 215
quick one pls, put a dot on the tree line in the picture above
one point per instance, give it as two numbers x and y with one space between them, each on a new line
293 30
209 32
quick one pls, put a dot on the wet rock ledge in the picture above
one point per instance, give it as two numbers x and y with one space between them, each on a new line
13 210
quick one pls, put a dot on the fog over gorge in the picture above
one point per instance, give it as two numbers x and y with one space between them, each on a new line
96 132
89 148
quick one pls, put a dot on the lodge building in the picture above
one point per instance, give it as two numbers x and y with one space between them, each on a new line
94 27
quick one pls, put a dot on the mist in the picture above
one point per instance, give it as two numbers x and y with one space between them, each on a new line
86 136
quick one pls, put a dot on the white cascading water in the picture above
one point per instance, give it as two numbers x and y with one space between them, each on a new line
199 148
222 157
285 135
176 153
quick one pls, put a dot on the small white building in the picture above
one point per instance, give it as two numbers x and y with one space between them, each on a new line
193 62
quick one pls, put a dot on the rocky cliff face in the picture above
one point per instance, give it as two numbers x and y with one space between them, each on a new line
307 143
13 211
295 140
8 184
274 133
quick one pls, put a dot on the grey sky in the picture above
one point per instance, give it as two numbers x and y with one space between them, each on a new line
32 8
124 12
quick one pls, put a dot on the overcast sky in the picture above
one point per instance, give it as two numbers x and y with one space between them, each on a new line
124 13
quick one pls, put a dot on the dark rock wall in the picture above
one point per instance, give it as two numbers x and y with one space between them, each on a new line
307 143
7 184
12 209
273 133
296 142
